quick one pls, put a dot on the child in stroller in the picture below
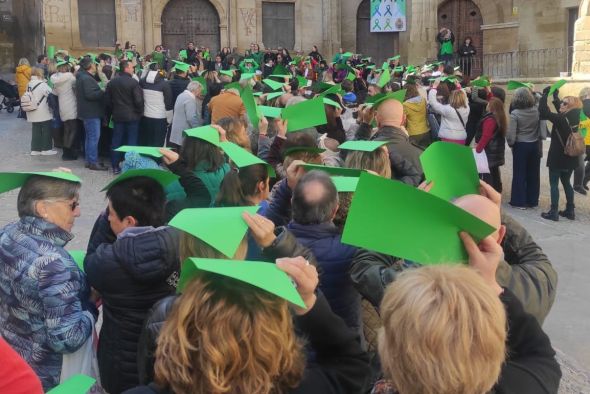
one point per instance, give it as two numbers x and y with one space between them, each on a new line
9 96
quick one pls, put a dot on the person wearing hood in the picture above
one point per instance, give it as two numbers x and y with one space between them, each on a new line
416 120
404 156
23 76
132 262
561 166
158 109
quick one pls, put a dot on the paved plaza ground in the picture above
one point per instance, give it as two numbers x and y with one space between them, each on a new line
566 243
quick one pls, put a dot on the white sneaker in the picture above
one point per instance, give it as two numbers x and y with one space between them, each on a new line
49 152
35 153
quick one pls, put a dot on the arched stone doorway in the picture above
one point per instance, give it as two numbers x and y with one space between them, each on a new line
190 20
464 19
380 46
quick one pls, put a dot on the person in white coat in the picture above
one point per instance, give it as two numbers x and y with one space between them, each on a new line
453 115
187 112
41 141
64 83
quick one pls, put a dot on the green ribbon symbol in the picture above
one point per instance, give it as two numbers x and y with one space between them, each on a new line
376 25
388 24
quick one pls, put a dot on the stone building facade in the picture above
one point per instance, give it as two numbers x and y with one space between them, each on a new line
517 34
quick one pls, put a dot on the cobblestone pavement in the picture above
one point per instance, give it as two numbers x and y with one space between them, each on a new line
567 243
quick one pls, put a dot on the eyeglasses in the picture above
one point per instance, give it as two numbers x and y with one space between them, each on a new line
565 103
73 205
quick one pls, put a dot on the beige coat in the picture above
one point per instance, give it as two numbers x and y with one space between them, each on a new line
63 88
42 113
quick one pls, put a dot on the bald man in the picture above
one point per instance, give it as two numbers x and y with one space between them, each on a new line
404 156
525 269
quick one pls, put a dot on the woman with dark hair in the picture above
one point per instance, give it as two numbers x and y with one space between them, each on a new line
334 128
466 53
45 308
491 137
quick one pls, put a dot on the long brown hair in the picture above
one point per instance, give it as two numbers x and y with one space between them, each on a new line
195 150
236 131
240 184
496 107
226 336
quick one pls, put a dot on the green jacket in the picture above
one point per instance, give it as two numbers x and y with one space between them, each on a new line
525 270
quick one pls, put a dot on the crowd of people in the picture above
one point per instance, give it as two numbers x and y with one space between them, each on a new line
210 173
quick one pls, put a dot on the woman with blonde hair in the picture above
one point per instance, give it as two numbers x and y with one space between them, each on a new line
445 332
236 129
23 75
376 161
454 115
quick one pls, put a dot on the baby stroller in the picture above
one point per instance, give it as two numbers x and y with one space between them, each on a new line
9 96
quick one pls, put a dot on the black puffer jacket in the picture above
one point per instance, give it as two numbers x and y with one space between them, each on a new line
496 146
135 271
285 245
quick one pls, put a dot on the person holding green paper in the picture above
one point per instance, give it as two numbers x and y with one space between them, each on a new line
416 116
180 79
491 138
45 307
454 115
561 166
333 128
446 40
159 56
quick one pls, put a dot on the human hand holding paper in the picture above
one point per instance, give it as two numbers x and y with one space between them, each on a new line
294 172
484 258
262 229
169 157
305 276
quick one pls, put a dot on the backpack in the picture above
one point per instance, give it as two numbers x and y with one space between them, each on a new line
575 145
28 102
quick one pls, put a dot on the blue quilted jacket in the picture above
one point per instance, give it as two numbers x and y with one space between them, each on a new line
42 312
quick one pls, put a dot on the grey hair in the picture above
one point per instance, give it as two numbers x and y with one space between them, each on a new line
318 211
194 86
522 98
23 60
39 188
585 93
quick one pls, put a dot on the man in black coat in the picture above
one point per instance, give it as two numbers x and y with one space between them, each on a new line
180 80
124 100
90 100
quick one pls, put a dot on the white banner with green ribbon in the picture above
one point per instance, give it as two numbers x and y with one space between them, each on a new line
388 16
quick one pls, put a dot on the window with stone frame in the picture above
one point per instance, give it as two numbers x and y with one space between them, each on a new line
97 21
278 25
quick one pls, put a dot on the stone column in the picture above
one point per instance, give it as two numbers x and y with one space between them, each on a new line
581 60
419 42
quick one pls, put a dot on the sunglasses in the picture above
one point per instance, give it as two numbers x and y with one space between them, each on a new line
73 205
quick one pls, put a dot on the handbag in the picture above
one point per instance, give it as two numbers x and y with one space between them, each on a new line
575 145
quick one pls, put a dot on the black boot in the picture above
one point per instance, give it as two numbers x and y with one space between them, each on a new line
551 215
569 212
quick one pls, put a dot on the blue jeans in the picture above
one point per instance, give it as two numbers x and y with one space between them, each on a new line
526 177
92 129
124 133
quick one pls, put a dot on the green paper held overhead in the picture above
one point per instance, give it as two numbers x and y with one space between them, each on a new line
270 112
332 103
335 89
229 73
142 150
183 55
205 133
78 257
364 146
399 220
221 228
203 83
556 86
379 98
272 96
513 85
274 85
282 77
14 180
247 76
265 276
334 171
250 104
77 384
385 76
242 158
306 114
164 178
280 70
345 184
452 168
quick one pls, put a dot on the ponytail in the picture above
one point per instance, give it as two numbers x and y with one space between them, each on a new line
239 184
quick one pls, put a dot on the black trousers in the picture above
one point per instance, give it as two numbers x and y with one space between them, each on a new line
494 178
152 132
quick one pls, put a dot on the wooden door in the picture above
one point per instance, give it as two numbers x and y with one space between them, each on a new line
278 25
379 46
184 21
464 19
97 23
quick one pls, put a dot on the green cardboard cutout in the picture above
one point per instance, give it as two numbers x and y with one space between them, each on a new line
364 146
205 133
242 158
309 113
78 257
142 150
164 178
77 384
14 180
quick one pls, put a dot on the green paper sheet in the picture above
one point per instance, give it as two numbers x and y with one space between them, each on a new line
234 85
345 184
282 77
183 55
364 146
247 76
265 276
481 82
14 180
142 150
351 76
332 90
556 86
77 384
452 168
78 256
334 171
379 98
399 220
274 85
242 158
51 52
306 114
280 70
332 103
318 87
221 228
130 55
270 112
250 104
513 85
205 133
164 178
272 96
385 76
303 82
229 73
203 83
